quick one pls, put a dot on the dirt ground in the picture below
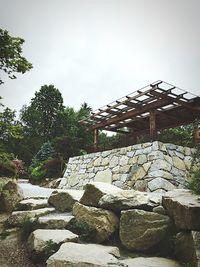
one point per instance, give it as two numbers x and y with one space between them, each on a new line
12 251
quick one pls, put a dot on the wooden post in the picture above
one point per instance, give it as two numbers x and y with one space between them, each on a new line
152 124
96 135
196 135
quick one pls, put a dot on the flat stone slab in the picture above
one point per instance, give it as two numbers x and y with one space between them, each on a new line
55 220
33 204
87 255
17 217
64 200
38 239
95 190
150 262
130 199
184 206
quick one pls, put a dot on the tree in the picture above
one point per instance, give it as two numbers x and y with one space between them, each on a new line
11 59
40 118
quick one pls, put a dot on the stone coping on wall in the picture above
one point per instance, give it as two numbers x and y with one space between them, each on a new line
152 166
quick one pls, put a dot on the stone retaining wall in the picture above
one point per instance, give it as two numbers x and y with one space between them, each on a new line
146 167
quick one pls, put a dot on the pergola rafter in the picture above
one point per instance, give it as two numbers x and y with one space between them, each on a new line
154 107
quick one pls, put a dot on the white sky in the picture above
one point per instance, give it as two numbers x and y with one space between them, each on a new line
100 50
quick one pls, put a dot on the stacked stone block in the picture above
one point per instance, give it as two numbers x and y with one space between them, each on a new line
154 167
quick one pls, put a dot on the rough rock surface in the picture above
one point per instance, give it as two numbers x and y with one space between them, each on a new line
18 217
64 200
133 167
95 190
150 262
84 255
38 239
130 199
105 222
184 207
55 220
33 203
10 196
142 230
187 247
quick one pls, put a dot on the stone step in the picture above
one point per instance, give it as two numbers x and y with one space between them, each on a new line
17 218
73 254
32 204
150 262
63 200
42 240
55 220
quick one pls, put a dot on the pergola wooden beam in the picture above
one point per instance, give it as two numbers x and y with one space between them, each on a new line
132 113
154 107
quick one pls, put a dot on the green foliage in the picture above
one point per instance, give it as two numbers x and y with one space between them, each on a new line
8 127
194 173
4 235
50 248
37 174
86 232
194 180
7 167
40 118
28 226
182 135
11 59
53 168
46 151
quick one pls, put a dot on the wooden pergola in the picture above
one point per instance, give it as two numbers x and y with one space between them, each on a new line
153 108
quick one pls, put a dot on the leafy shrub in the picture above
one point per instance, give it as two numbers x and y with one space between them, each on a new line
50 248
46 152
4 235
194 181
53 168
19 165
194 173
86 232
7 167
37 173
28 226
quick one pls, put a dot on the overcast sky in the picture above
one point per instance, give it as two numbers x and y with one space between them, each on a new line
96 51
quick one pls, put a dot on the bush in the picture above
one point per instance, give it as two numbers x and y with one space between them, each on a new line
7 167
28 226
194 181
194 173
19 165
50 248
37 173
86 232
53 168
4 235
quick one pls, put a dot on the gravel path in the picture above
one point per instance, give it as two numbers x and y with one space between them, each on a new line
12 252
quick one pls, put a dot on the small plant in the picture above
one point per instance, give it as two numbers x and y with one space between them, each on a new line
4 234
86 232
28 226
194 174
194 182
50 248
